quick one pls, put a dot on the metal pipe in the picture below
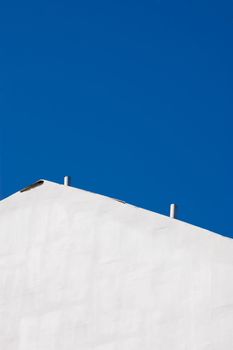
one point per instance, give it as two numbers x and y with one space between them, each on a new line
173 211
67 180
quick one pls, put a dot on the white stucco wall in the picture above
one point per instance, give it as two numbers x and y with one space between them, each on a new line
81 271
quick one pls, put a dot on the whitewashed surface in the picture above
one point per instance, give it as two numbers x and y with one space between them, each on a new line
80 271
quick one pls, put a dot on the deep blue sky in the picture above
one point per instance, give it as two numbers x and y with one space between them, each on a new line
131 98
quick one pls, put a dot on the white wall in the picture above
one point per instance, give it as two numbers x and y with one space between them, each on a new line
81 271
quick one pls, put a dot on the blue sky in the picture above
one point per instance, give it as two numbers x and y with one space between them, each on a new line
131 98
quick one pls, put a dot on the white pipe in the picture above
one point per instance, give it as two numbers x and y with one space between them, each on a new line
67 180
173 211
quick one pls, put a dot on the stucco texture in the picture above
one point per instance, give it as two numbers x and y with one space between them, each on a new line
80 271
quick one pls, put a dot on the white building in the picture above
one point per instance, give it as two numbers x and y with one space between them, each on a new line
80 271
